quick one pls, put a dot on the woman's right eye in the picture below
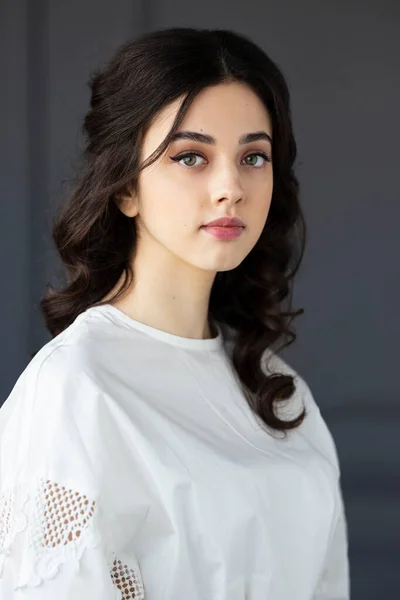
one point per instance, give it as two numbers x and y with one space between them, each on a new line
187 155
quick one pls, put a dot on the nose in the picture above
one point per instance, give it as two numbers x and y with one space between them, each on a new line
227 187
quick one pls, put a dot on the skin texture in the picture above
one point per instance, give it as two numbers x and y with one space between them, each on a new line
176 261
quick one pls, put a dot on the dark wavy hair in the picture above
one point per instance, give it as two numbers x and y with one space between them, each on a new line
95 240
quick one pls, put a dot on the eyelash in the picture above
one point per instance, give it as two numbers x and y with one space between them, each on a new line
181 156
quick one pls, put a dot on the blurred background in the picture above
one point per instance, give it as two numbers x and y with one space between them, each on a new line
342 63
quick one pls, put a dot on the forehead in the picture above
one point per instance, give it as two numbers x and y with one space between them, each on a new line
225 111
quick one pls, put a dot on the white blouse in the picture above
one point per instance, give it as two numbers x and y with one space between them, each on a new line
131 467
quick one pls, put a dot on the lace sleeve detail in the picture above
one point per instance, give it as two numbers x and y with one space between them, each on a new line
56 525
127 580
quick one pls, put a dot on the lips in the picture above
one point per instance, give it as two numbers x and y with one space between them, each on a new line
225 232
226 222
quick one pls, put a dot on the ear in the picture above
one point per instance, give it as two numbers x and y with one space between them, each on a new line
127 202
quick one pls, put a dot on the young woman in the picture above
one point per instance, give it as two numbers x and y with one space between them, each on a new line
158 447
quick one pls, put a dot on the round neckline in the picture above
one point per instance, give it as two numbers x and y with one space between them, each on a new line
164 336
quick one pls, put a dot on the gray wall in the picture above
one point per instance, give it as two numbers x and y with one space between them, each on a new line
341 60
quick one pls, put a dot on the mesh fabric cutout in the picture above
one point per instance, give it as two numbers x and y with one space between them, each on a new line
127 580
60 515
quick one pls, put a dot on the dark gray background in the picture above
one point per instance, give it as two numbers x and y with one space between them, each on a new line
341 60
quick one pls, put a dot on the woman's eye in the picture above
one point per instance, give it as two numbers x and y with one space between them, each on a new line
258 155
189 155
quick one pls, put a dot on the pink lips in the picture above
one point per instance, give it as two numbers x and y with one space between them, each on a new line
226 228
226 222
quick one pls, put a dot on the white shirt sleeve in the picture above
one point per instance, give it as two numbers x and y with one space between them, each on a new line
57 537
334 582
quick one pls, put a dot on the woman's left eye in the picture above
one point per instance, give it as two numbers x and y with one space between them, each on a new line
264 156
182 157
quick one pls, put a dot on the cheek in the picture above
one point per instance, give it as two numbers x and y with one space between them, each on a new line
167 208
259 183
258 212
261 199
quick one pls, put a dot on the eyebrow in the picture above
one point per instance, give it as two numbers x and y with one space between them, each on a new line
194 136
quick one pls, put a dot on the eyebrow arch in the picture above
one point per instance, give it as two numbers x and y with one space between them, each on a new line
194 136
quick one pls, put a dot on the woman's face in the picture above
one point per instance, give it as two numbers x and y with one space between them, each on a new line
176 197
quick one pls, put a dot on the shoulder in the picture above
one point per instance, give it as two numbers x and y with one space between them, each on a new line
314 426
62 367
49 418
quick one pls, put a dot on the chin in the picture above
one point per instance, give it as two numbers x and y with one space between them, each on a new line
226 265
